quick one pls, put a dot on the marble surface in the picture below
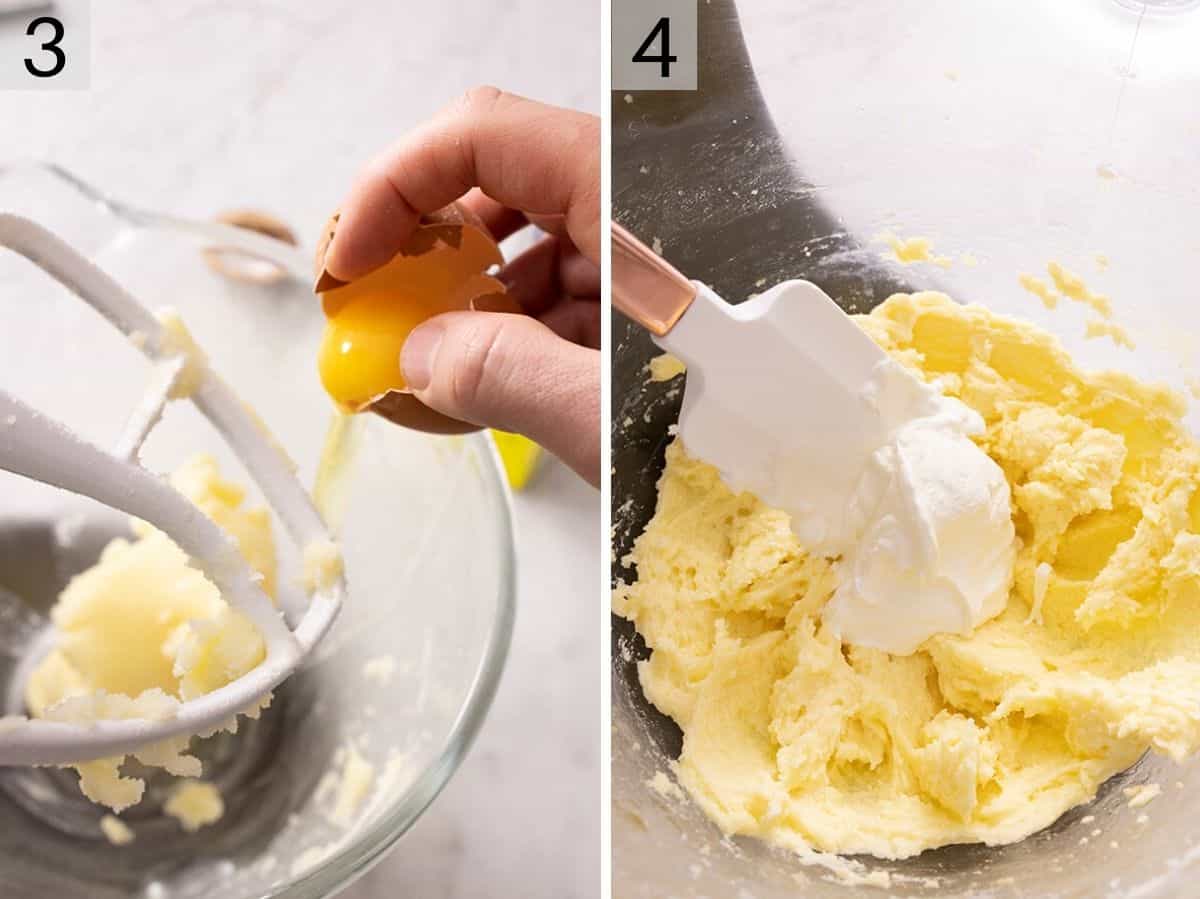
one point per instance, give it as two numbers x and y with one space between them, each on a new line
522 816
200 105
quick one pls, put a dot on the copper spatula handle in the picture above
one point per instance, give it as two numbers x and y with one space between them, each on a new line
646 287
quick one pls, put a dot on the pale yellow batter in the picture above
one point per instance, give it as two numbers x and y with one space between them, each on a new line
141 630
194 804
797 739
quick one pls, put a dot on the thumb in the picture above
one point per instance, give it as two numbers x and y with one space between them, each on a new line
510 372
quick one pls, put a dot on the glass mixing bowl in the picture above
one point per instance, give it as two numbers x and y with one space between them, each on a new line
1010 135
406 676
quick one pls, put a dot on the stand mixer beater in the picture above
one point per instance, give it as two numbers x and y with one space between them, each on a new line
36 446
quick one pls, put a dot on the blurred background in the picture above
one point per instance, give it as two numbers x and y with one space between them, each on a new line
198 107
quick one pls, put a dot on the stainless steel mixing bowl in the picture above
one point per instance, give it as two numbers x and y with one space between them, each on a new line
1011 134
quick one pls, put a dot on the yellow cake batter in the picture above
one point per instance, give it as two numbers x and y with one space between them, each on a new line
194 804
792 737
141 630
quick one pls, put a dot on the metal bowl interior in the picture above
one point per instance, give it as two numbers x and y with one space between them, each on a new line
817 128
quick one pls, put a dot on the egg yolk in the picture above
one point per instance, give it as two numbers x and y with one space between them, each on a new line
369 319
520 457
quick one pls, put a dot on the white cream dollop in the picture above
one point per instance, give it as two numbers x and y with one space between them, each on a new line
926 540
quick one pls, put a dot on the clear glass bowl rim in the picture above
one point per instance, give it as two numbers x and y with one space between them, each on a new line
355 858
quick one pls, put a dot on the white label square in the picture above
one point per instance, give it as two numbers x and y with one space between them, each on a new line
654 45
45 46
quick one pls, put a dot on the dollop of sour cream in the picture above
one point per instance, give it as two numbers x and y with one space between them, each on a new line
926 543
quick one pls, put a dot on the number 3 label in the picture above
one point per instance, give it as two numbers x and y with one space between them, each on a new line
46 49
58 57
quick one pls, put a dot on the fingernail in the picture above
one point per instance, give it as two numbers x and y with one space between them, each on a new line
418 353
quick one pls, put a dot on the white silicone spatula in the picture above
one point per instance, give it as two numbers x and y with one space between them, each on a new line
781 377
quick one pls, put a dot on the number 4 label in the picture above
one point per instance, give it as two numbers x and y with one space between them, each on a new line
654 45
661 32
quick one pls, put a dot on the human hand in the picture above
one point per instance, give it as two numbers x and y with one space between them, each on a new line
514 162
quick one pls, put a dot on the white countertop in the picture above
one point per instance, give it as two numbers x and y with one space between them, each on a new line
200 105
522 816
